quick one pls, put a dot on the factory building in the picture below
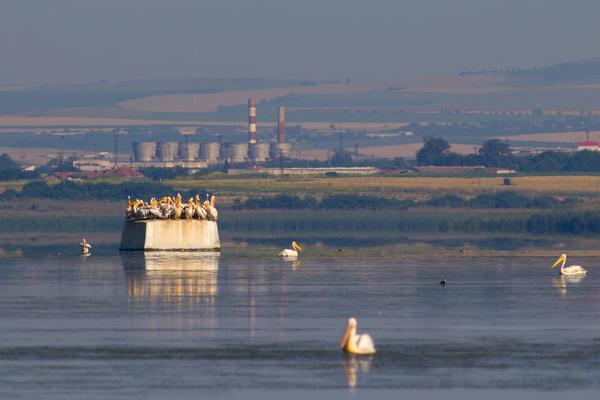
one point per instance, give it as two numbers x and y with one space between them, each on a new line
144 151
167 154
210 152
189 151
194 155
236 152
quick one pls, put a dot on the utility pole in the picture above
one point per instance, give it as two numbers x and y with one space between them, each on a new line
115 149
61 153
281 162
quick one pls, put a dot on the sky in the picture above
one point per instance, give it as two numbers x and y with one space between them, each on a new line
74 41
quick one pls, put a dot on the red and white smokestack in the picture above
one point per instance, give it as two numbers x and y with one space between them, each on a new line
281 124
251 121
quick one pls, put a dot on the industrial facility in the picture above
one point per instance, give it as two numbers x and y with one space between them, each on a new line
201 155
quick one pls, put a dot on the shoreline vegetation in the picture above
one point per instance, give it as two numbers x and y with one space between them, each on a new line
344 211
421 220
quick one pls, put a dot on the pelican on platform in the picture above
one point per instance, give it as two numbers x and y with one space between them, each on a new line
209 207
293 252
356 344
571 269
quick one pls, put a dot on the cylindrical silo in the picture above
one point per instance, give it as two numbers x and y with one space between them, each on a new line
237 152
144 151
280 150
261 152
210 152
189 151
167 151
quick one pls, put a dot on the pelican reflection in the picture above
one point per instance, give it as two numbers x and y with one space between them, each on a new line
353 366
295 263
173 278
563 281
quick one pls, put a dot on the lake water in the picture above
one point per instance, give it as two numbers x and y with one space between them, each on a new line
254 326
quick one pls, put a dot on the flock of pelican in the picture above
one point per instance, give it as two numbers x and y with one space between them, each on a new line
172 208
362 344
350 342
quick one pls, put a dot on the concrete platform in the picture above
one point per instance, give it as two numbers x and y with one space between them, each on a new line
170 235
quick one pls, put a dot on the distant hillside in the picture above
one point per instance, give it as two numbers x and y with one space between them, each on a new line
109 94
202 85
581 70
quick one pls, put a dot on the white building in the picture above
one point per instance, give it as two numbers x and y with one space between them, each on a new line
588 145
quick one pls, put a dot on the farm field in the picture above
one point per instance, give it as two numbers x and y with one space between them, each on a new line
561 137
208 102
407 186
416 187
409 150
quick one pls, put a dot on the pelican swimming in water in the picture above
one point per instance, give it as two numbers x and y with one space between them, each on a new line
293 252
85 247
571 269
356 344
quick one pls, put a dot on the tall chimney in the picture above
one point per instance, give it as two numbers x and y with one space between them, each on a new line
251 121
281 124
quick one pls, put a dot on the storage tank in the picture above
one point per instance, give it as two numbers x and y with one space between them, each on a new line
261 152
237 152
280 150
144 151
210 152
167 151
189 151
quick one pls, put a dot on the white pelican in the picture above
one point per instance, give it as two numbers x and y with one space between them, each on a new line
155 212
200 212
293 252
211 211
571 269
85 247
189 209
178 210
356 344
140 212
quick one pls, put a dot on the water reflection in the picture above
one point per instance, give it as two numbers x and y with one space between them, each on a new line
563 281
352 366
172 278
295 263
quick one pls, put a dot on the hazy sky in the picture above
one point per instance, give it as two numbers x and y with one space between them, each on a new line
83 40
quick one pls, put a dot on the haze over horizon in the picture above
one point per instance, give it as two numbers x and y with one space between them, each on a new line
70 41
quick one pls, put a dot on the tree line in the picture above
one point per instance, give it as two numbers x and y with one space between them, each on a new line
10 170
69 190
506 199
497 153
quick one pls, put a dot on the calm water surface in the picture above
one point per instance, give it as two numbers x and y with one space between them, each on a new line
192 326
